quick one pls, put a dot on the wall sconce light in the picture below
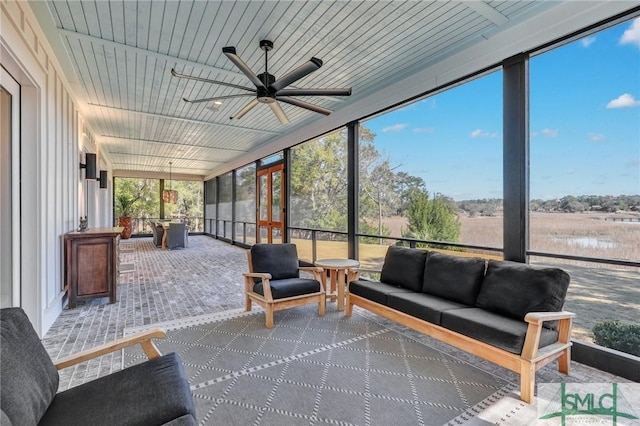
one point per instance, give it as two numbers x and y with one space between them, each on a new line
103 179
89 165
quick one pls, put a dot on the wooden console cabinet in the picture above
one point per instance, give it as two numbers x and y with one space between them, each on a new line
91 264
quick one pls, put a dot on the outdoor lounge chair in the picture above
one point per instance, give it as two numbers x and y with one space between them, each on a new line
154 392
274 281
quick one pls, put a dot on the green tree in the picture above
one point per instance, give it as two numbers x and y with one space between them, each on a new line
136 197
431 218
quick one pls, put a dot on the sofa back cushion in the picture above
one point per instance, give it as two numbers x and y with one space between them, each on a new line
515 289
453 277
404 267
29 378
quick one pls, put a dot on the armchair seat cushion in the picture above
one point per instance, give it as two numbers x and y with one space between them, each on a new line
493 329
152 393
289 287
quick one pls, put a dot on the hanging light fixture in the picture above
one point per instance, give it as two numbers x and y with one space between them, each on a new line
169 196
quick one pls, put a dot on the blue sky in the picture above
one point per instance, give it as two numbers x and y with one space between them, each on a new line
585 125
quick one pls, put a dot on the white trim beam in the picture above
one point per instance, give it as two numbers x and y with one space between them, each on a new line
173 117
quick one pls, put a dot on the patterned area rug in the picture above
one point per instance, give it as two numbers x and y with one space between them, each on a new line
311 370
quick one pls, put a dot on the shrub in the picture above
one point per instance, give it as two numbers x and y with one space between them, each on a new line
619 336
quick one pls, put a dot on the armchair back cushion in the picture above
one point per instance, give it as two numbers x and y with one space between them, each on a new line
29 378
454 278
515 289
279 260
404 267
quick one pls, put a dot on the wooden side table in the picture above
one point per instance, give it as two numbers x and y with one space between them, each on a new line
91 264
338 270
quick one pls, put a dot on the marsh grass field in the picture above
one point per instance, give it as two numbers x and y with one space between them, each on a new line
597 292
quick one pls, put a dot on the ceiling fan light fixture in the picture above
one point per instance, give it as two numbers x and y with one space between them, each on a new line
269 89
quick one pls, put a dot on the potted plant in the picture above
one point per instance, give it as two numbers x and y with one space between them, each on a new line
125 204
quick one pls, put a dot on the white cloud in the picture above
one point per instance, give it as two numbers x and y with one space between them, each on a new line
623 101
549 133
595 137
479 133
632 34
588 41
394 128
424 130
571 171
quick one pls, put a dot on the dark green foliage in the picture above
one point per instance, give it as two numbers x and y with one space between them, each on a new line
431 218
619 336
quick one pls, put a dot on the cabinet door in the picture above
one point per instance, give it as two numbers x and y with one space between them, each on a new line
92 261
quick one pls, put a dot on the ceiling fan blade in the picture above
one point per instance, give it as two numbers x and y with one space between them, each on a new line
230 53
248 107
307 68
277 110
206 80
217 98
345 91
306 105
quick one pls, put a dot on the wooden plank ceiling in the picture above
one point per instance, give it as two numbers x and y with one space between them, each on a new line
122 53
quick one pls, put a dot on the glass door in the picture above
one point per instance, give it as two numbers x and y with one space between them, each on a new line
270 206
9 205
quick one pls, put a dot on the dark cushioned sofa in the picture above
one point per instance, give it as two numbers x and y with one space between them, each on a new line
155 392
506 312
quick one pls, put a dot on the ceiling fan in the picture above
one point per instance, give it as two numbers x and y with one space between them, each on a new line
270 90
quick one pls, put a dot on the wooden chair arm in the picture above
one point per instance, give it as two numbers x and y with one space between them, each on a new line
142 338
317 274
266 285
311 268
540 317
262 275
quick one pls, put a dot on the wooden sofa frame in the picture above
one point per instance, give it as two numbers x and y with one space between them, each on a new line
269 304
526 364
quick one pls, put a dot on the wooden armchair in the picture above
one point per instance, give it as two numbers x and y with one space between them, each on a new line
274 281
153 392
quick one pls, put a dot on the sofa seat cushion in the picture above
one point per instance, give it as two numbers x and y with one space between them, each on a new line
289 287
375 290
152 393
404 267
515 289
493 329
453 277
423 306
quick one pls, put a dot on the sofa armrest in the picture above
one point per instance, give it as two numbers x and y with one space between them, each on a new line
540 317
535 320
142 338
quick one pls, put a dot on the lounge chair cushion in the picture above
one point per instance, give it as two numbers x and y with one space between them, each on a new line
279 260
159 385
289 287
29 378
